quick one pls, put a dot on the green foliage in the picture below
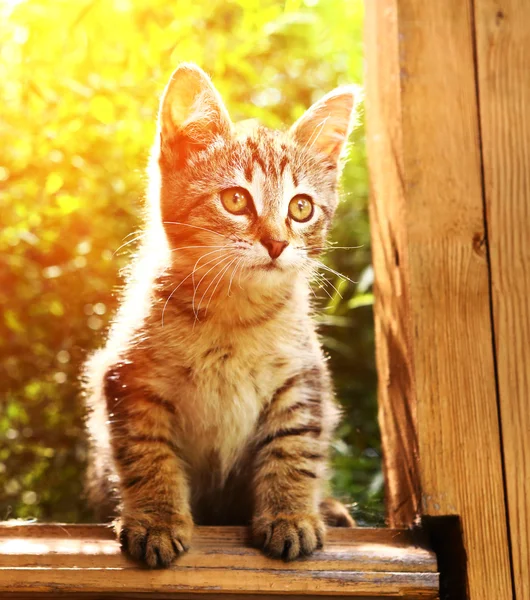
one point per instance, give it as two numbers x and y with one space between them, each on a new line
80 87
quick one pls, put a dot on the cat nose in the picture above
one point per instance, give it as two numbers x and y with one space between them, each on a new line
274 247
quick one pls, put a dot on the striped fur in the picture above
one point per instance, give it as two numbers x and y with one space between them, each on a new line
211 401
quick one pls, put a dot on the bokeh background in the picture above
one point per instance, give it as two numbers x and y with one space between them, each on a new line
78 99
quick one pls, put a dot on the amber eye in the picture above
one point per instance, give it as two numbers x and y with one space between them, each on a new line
236 200
301 208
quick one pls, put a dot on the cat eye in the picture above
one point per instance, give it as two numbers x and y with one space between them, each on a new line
301 208
236 200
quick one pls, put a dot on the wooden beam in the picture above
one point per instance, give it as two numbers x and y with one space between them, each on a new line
434 333
503 53
396 394
359 563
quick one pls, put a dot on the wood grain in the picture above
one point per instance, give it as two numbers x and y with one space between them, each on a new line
432 296
503 54
396 395
358 563
153 595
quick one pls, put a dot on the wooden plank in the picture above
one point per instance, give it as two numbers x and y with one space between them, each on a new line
86 558
204 581
424 119
396 395
180 596
503 54
88 546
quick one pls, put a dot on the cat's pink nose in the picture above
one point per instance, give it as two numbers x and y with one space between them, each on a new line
274 247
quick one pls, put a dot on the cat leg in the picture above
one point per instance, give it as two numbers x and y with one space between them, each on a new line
155 524
290 464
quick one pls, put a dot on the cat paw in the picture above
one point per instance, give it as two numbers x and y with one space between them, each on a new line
156 543
288 536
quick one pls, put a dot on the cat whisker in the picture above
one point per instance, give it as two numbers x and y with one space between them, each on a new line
218 282
199 259
217 275
239 278
195 289
141 235
238 264
323 282
138 231
323 288
329 248
312 291
321 265
220 260
187 277
328 282
195 227
188 247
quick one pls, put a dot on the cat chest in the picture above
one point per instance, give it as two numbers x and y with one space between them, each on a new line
219 380
219 404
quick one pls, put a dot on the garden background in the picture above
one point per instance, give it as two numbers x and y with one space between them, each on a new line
80 88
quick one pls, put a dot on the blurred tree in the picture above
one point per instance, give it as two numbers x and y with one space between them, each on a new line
80 87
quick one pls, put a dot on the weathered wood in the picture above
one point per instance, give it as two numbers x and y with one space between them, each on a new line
397 399
85 545
432 296
86 558
180 596
164 595
503 55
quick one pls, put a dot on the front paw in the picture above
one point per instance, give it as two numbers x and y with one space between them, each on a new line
288 536
155 541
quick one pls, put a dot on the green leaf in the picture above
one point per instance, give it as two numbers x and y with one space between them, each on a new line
361 300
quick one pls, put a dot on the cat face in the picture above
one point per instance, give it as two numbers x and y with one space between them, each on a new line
243 197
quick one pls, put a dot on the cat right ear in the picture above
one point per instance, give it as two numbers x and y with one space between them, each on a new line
192 114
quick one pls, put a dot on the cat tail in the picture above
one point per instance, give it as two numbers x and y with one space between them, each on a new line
335 514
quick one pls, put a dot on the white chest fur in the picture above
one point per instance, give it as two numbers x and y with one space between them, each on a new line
219 382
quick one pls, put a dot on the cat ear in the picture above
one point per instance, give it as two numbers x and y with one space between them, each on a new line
192 113
325 127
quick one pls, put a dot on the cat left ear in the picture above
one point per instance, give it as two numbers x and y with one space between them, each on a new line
325 127
192 113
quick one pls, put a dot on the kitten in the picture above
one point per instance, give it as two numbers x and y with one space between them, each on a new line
211 401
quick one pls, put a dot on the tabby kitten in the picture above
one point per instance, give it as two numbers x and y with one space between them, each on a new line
211 401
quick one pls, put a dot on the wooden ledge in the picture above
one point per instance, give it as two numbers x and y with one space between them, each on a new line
55 560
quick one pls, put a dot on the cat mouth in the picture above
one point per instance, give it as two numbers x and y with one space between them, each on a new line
270 266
